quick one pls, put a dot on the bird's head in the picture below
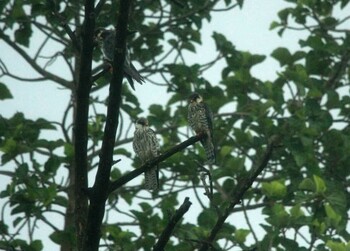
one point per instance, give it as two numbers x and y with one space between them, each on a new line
195 98
141 122
101 34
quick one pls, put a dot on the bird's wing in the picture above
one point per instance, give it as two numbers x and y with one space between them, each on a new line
209 116
154 142
130 70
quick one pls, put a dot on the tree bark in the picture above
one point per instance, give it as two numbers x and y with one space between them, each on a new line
99 191
82 94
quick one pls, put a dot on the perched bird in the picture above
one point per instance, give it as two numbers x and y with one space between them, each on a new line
200 119
106 39
146 146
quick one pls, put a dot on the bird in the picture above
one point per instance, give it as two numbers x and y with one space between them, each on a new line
200 119
106 39
146 146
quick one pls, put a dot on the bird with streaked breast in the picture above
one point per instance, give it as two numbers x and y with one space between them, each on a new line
146 146
200 119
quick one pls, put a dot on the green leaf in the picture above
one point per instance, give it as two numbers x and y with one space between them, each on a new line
307 184
334 217
44 124
225 150
338 246
296 211
289 244
240 3
337 199
344 3
207 218
139 215
284 14
52 164
274 189
156 110
69 150
17 221
279 216
3 228
189 46
320 185
9 146
61 237
333 100
317 63
241 235
5 92
222 44
282 55
319 227
23 34
36 245
3 3
274 25
61 201
146 207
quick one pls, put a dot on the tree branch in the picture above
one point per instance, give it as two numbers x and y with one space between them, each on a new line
99 191
80 164
99 6
4 72
126 178
242 187
164 237
337 73
66 27
34 65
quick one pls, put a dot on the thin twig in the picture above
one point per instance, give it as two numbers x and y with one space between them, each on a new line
208 188
33 64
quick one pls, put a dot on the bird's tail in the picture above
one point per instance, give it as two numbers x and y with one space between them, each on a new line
209 150
131 73
151 179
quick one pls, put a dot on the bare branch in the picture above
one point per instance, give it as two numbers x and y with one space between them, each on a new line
41 47
340 69
226 8
99 191
242 187
98 75
208 188
164 237
32 63
68 30
50 31
81 132
5 72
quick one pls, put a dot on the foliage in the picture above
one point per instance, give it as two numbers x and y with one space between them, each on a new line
303 192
